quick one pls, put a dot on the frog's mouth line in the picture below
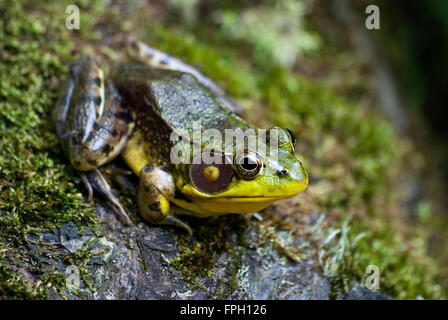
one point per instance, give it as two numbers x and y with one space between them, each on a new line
220 198
249 199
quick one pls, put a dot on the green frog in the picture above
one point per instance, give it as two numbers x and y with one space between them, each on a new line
148 111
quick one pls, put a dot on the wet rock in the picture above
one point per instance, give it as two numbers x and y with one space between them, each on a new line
136 263
363 294
70 238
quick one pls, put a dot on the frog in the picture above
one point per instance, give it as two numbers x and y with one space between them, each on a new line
145 107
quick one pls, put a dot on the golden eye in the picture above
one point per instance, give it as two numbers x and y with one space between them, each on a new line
211 173
248 164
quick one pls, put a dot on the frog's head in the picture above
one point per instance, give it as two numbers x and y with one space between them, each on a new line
250 181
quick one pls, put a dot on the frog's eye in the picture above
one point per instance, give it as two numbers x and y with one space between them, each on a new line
248 164
211 178
293 137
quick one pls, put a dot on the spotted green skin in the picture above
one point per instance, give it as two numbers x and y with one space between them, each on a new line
134 112
174 100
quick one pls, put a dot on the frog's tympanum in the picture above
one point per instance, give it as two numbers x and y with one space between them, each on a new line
147 112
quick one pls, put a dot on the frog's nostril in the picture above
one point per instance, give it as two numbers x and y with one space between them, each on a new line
282 172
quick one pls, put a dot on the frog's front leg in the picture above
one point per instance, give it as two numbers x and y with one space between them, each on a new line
92 124
156 187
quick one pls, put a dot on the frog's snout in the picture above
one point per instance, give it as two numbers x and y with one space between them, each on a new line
297 174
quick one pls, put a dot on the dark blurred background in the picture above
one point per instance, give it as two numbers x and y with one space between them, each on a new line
417 32
413 44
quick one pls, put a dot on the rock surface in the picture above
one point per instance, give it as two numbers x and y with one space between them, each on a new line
137 263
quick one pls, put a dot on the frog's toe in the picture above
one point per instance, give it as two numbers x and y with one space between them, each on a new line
96 181
118 208
173 221
88 186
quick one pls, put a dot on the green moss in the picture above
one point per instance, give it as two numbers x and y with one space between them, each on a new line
38 190
405 273
197 259
81 258
15 286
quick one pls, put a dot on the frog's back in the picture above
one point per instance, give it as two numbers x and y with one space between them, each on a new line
174 98
162 101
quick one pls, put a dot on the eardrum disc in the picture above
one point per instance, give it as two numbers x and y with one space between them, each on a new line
211 178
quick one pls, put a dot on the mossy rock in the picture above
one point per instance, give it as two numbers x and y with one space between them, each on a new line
316 245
